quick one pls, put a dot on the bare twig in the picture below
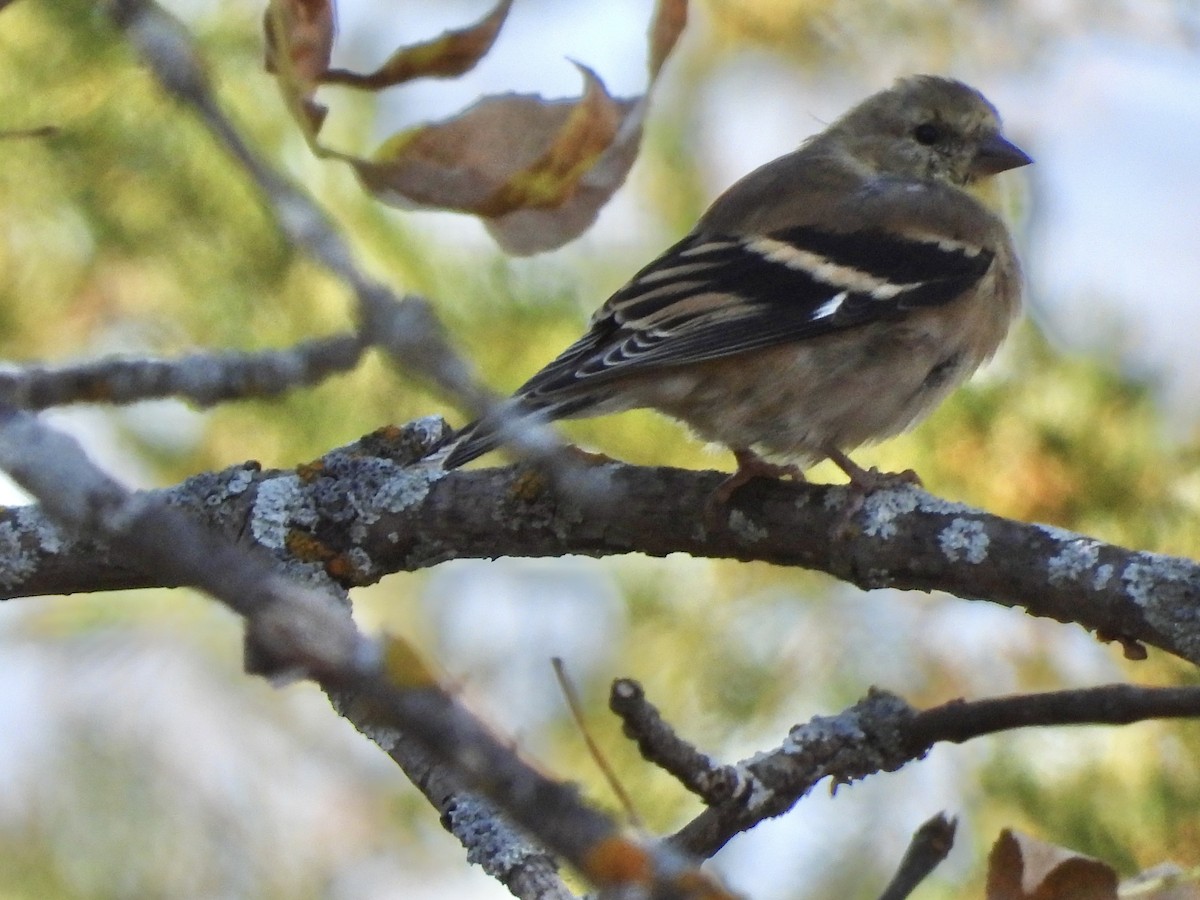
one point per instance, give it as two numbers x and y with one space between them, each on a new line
656 739
860 741
1110 704
881 733
203 378
576 709
406 329
930 844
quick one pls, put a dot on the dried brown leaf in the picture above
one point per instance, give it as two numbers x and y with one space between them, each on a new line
1024 868
306 28
670 17
506 156
534 230
589 129
536 171
448 55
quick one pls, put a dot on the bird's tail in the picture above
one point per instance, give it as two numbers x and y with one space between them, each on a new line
514 419
468 443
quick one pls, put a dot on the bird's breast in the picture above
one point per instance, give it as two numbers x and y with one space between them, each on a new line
839 390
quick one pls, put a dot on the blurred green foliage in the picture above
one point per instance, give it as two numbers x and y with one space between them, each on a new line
130 231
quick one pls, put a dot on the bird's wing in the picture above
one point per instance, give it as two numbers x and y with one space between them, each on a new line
712 296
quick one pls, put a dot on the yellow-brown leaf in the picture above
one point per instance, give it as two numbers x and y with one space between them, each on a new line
515 154
670 17
448 55
535 171
1024 868
306 29
588 131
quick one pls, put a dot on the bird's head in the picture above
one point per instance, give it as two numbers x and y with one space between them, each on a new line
928 127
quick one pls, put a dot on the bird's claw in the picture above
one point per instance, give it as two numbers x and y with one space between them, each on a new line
750 467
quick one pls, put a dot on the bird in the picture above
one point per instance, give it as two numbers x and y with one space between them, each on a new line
829 299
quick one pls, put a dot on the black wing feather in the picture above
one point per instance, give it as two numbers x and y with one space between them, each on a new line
712 296
777 303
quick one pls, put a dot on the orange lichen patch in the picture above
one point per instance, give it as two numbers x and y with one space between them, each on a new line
618 861
306 548
343 570
390 433
529 486
310 471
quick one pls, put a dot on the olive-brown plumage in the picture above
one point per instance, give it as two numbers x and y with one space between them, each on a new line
830 298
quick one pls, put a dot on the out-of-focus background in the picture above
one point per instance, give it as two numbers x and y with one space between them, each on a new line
136 760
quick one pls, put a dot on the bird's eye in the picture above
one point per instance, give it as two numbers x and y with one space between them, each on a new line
927 133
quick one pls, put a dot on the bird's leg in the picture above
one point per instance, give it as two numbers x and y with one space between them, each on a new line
867 480
749 466
862 482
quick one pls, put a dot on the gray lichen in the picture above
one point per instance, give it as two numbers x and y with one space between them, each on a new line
964 539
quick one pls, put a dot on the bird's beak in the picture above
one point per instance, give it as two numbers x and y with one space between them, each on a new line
995 154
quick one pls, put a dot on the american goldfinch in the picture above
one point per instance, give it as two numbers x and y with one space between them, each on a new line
830 298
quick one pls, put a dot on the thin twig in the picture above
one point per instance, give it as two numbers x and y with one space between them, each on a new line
576 708
660 745
202 378
881 733
405 328
930 844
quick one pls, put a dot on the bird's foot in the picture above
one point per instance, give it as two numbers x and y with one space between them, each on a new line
868 480
864 482
749 467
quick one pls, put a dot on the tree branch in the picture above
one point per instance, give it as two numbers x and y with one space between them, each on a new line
930 844
490 839
410 516
302 629
406 329
1112 704
882 733
203 378
661 745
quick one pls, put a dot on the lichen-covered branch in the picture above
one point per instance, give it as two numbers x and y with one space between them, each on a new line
661 745
491 841
202 378
368 510
881 733
860 741
300 628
